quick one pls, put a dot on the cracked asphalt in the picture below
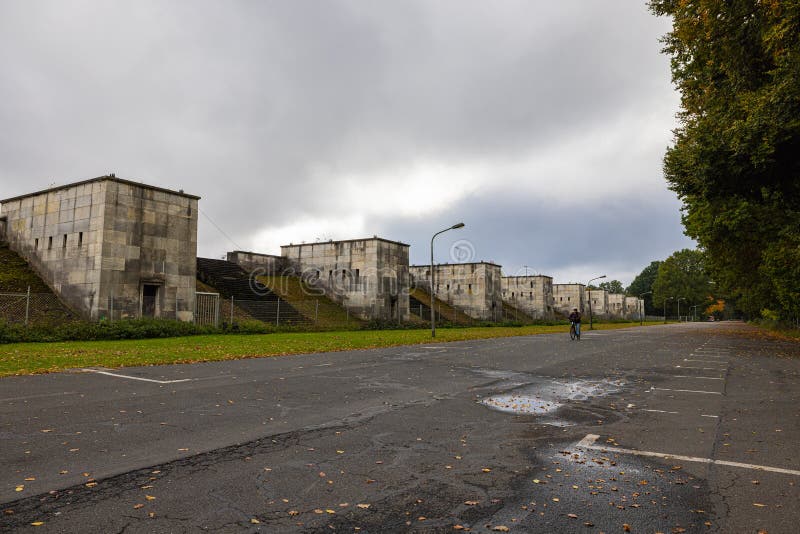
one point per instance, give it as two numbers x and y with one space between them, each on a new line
658 429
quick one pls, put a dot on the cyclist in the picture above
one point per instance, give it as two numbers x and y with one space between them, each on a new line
575 322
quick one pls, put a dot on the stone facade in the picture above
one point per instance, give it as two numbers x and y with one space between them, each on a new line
110 248
597 302
566 297
474 288
616 306
634 308
263 263
367 276
532 295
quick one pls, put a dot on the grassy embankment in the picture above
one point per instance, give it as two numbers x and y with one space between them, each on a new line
30 358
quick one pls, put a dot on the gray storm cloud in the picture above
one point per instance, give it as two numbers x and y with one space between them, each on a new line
344 119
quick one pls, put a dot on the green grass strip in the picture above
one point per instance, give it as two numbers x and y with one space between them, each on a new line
31 358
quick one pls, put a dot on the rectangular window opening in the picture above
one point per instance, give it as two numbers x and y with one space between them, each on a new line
50 243
80 239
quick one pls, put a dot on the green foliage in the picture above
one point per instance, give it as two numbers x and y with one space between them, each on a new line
683 275
643 283
104 330
734 162
613 286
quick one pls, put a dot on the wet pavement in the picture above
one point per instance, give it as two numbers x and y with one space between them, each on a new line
531 434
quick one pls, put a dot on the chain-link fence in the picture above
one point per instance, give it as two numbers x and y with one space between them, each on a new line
33 308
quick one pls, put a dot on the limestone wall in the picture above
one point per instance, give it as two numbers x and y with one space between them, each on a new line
634 307
530 294
98 243
474 288
598 299
265 263
569 296
368 276
616 306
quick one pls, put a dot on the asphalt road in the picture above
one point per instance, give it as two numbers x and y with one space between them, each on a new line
677 428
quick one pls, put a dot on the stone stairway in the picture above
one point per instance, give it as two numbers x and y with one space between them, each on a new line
255 299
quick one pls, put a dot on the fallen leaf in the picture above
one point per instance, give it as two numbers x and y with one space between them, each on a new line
758 504
328 510
37 523
572 516
137 506
255 521
19 488
293 512
486 470
363 505
30 479
626 527
183 450
500 528
149 497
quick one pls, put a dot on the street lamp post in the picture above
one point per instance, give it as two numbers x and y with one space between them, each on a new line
433 287
665 308
679 307
591 319
641 306
694 311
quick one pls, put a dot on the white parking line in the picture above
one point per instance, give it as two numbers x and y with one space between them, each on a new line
714 416
700 368
704 361
661 411
138 378
589 443
12 399
701 377
685 390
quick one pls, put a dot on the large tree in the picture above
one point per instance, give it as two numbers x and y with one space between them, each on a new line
683 276
735 161
614 286
643 283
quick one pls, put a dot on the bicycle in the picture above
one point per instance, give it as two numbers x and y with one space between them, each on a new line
573 332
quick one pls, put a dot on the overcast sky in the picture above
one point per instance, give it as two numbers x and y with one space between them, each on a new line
541 125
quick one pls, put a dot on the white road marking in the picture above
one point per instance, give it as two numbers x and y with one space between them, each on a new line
138 378
704 361
661 411
686 391
11 399
714 416
700 368
589 443
701 377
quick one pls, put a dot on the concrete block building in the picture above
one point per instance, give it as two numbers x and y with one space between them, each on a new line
474 288
369 277
110 248
532 295
616 306
263 263
597 302
566 297
634 308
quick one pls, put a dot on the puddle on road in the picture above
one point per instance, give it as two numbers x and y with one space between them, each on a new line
546 396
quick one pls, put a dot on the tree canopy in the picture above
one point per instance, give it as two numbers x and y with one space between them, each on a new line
683 276
735 159
613 286
643 283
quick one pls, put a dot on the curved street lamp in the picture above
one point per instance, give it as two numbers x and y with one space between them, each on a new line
641 306
679 307
665 308
591 322
433 287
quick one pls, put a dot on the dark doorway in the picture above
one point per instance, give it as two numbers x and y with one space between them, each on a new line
149 300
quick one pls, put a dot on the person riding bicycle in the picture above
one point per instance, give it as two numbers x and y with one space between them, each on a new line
575 321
